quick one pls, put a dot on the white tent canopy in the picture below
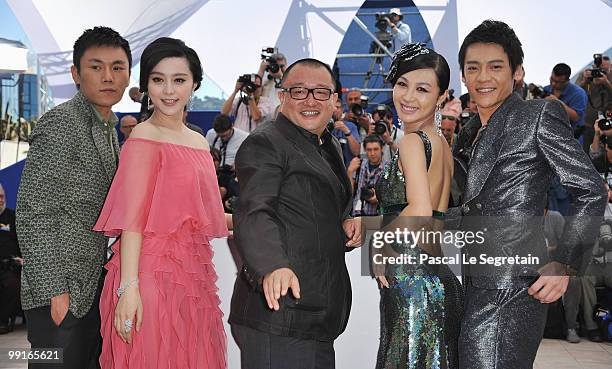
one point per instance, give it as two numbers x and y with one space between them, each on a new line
14 56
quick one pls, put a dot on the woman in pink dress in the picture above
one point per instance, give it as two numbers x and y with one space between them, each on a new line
159 305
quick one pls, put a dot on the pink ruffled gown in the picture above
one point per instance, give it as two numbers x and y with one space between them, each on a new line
169 194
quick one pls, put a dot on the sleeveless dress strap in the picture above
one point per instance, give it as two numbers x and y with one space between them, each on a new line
427 144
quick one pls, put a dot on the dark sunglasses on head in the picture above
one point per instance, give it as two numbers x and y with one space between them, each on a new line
449 117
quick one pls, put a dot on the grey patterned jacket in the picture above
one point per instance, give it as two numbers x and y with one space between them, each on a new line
67 174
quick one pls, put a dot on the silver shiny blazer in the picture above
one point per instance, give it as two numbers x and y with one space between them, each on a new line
515 157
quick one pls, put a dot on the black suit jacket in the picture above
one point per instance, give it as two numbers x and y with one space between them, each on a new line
524 144
289 214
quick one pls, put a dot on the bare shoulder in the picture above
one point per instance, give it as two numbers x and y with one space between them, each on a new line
197 140
411 142
146 130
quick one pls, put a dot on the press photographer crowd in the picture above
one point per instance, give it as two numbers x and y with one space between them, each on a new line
273 192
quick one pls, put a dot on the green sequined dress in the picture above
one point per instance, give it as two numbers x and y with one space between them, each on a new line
420 312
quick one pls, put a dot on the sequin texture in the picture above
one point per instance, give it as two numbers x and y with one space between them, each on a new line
420 312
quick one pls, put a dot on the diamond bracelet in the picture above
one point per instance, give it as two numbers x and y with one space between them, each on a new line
123 287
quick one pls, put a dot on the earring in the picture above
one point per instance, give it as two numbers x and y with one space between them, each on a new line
400 124
190 103
438 120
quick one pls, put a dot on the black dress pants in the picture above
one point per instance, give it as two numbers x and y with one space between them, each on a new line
259 350
79 339
10 285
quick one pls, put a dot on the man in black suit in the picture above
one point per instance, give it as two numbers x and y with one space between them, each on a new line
519 148
292 228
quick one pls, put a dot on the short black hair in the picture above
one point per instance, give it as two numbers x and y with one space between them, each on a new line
310 62
494 32
99 36
166 47
562 69
222 123
373 139
414 57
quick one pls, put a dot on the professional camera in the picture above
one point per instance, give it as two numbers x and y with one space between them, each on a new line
358 110
267 53
604 122
465 117
248 83
382 21
537 91
380 126
597 71
366 193
385 37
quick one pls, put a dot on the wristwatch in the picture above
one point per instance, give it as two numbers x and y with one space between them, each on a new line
348 134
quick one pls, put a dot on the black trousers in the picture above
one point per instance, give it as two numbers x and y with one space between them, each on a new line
259 350
80 339
10 286
501 328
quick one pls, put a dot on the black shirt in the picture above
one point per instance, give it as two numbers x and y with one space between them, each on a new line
326 149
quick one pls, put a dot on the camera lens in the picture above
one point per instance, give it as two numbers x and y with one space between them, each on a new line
380 128
604 124
357 110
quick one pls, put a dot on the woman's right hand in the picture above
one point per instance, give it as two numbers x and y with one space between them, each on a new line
128 307
382 280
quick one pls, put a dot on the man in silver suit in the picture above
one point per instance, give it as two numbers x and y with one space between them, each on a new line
516 152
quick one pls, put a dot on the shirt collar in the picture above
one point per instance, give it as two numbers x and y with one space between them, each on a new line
112 118
312 137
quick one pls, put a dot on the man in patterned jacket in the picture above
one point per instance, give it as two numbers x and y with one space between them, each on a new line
72 159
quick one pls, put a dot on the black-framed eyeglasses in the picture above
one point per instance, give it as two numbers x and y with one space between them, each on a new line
301 93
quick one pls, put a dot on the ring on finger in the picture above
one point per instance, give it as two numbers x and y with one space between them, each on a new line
127 325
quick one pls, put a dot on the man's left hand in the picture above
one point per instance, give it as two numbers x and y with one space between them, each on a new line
352 229
386 137
551 97
551 284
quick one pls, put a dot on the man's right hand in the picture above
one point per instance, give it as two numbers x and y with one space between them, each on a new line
354 165
339 125
59 307
237 87
277 283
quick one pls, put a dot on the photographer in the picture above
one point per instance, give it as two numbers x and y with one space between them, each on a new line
347 134
596 81
599 272
246 104
225 138
572 97
10 267
271 71
400 30
364 174
599 150
383 127
357 105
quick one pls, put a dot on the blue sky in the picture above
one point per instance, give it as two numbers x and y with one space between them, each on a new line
9 27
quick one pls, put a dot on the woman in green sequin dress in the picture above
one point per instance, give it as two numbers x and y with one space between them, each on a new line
421 304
